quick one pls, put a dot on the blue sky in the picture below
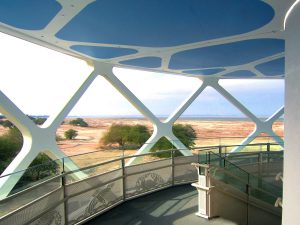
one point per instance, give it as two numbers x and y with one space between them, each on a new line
40 81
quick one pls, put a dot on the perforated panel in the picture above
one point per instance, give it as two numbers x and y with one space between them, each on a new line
93 201
33 210
53 217
93 182
19 200
148 180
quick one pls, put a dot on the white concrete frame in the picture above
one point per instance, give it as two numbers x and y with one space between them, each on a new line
260 126
36 139
291 165
42 139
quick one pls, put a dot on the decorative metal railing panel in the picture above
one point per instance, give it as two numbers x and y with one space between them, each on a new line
146 177
93 201
53 217
66 199
34 210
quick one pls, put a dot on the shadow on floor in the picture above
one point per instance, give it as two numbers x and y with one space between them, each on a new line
176 205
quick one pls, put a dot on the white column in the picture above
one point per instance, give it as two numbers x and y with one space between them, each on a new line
291 182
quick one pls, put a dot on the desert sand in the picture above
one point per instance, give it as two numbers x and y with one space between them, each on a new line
208 133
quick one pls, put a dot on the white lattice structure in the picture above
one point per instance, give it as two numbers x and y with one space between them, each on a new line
42 139
247 41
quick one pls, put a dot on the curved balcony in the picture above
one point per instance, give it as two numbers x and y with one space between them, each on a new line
74 197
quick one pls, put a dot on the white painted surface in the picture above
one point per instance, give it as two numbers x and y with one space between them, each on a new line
291 184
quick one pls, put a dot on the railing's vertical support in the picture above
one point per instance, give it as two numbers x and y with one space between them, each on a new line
248 192
220 153
260 148
260 158
220 150
268 151
173 166
123 178
63 184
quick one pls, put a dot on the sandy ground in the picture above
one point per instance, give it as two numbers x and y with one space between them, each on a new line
208 133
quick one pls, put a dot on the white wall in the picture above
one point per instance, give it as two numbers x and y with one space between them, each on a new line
291 185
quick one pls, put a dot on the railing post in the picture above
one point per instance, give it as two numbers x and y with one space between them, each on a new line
173 172
248 195
268 147
63 184
220 150
268 151
220 153
260 158
123 178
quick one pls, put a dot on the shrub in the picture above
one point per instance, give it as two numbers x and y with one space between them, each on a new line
7 124
78 122
126 136
70 134
185 133
8 150
41 167
58 138
10 145
138 135
116 134
15 136
39 120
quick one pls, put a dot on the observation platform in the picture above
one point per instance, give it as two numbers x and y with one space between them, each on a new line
175 205
155 190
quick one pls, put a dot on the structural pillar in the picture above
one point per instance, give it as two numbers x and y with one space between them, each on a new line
291 176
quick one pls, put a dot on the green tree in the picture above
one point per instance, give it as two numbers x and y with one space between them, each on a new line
70 134
42 166
15 136
10 145
126 136
7 124
185 133
78 122
58 138
138 135
117 133
8 150
40 120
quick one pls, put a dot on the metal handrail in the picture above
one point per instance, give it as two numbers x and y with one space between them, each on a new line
247 174
200 149
173 180
122 177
